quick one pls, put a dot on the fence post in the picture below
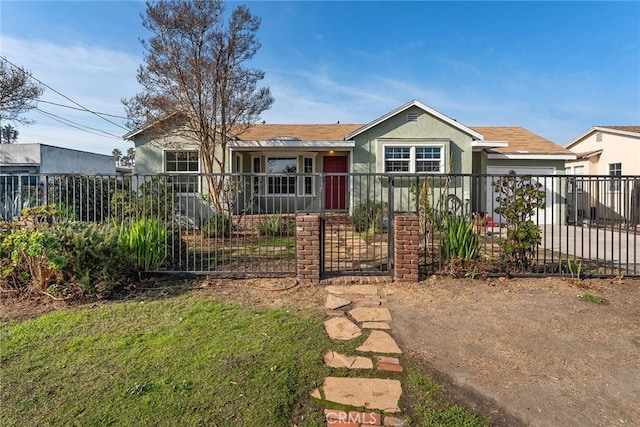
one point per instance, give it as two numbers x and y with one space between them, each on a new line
406 244
308 247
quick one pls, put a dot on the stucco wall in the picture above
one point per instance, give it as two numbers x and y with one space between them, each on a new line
368 152
616 149
52 159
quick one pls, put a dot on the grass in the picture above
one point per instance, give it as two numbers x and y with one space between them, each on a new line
180 361
429 405
184 360
593 298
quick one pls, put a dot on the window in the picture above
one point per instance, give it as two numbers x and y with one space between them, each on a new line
397 159
422 159
428 159
176 162
615 170
309 183
281 184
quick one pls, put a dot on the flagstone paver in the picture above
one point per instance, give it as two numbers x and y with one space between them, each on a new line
334 359
379 342
371 314
352 289
375 325
370 393
341 328
333 302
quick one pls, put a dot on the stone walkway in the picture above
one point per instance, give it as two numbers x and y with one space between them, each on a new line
358 310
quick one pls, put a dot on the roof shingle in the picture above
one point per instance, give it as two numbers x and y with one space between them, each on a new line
521 140
334 132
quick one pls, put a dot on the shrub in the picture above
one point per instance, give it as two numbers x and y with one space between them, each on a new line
519 199
420 196
219 225
154 198
275 225
35 259
369 216
95 258
459 241
144 240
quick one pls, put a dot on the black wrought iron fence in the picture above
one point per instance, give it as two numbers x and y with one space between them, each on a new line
586 225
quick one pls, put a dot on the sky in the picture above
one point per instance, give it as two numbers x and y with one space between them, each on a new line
555 68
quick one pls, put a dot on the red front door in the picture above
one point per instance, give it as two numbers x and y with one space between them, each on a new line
335 196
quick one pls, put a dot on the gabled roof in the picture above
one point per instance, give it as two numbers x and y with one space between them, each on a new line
423 107
522 142
307 132
633 131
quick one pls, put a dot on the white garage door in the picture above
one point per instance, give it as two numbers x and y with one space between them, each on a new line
545 216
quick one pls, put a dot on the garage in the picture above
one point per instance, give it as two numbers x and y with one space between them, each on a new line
543 175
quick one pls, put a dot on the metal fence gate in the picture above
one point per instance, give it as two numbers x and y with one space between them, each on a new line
357 225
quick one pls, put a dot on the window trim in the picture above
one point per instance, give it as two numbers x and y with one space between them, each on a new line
267 157
615 185
196 173
413 160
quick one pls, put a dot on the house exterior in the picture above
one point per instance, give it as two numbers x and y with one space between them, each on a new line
411 139
605 151
48 159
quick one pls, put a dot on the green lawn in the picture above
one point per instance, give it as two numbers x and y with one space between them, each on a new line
183 360
180 361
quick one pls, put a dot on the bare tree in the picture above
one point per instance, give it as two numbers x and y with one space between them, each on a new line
195 69
19 93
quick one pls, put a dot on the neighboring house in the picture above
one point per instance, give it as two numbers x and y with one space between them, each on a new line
413 138
604 151
47 159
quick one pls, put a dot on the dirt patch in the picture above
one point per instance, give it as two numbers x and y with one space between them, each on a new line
528 349
270 292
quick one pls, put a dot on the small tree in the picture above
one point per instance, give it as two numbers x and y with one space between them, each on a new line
195 71
519 198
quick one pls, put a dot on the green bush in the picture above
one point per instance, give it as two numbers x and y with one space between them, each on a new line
155 198
519 199
35 259
144 240
219 225
459 241
275 225
95 258
369 216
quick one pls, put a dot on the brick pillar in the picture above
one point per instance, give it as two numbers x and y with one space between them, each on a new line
308 248
406 243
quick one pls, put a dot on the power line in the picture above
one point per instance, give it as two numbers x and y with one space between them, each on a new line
81 109
76 125
67 98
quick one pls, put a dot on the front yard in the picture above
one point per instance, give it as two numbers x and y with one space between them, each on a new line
228 353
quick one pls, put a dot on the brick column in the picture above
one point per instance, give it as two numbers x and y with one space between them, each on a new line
308 248
406 243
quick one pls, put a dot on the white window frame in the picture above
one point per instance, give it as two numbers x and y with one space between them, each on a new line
308 175
164 167
413 160
615 184
266 167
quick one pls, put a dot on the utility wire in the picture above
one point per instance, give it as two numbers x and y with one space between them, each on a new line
67 98
76 125
81 109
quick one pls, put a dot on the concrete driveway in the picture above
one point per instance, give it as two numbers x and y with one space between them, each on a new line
610 250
